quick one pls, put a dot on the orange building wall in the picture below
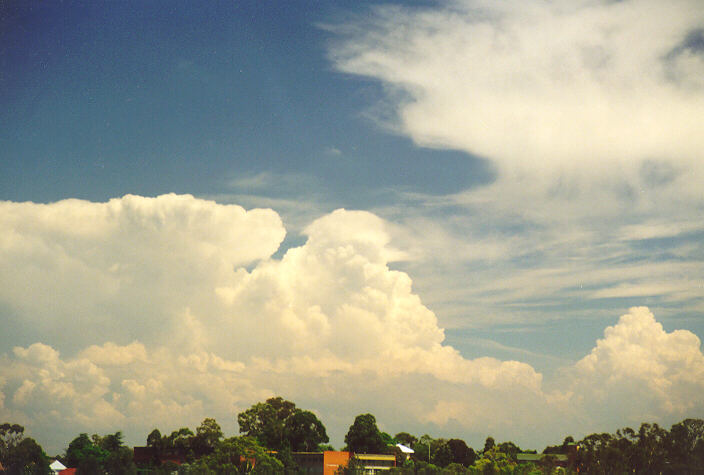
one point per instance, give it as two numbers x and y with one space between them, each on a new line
332 460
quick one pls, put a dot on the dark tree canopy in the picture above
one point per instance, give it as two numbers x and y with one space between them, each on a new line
100 454
406 439
489 444
206 438
154 439
441 453
364 436
26 457
304 431
278 424
461 452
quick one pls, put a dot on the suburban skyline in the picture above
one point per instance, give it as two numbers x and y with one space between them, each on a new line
466 218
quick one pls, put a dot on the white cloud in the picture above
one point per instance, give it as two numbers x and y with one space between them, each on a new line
639 370
328 325
160 321
590 112
125 267
539 85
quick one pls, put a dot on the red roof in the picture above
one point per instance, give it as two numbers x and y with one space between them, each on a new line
68 471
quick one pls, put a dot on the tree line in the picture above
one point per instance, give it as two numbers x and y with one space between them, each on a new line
273 430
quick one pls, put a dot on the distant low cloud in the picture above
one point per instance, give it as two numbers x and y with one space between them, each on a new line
638 361
149 318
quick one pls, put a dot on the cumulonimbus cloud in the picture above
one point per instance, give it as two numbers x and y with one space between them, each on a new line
328 316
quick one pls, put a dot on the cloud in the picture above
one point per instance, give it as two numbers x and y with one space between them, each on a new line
143 313
538 85
328 325
126 267
589 112
638 361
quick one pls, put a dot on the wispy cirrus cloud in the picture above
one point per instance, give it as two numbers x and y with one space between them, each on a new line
539 85
587 109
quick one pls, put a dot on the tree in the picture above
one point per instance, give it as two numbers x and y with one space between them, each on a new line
26 457
265 421
685 445
304 431
110 442
364 436
489 444
494 461
181 441
98 454
154 439
461 453
10 436
207 436
279 424
240 455
442 453
78 449
406 439
509 448
120 461
423 447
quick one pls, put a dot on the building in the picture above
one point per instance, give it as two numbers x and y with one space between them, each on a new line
57 467
376 463
324 463
327 463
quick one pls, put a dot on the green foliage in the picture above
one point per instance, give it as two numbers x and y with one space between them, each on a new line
406 439
489 444
208 435
81 448
455 468
441 453
240 455
421 447
685 445
304 432
26 457
461 453
278 424
120 462
10 436
100 454
650 449
493 461
364 436
509 448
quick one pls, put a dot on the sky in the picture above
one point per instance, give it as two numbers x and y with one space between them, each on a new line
468 218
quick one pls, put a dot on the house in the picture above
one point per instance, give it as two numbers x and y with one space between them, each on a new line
57 467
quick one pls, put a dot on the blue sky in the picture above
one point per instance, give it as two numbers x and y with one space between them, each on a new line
181 97
525 174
